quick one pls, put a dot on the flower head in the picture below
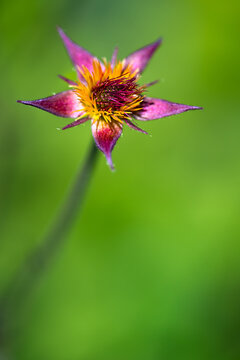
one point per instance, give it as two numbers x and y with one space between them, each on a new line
108 95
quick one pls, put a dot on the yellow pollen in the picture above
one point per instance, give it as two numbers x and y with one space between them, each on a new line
108 93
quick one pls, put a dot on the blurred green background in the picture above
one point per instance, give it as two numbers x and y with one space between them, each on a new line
150 269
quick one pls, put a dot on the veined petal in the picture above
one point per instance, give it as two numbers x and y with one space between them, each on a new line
65 104
140 58
76 123
106 135
158 108
79 56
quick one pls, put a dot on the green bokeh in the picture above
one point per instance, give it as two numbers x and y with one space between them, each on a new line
151 268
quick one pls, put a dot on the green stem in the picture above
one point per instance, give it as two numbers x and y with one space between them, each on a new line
35 265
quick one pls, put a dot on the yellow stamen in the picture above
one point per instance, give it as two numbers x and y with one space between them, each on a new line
107 79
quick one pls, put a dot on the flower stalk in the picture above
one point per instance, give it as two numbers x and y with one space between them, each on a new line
37 262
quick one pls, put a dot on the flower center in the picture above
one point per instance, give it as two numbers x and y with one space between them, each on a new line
116 93
109 94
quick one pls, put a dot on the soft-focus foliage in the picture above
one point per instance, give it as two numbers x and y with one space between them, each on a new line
151 268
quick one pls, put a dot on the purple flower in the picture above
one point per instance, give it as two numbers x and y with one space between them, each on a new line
108 95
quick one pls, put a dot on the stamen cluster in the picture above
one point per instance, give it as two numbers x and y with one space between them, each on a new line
116 93
109 94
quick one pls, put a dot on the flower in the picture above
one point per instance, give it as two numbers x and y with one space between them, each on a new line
108 95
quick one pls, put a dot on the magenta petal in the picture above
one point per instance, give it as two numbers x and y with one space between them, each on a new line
158 108
114 57
65 104
68 81
140 58
106 136
133 126
79 56
76 123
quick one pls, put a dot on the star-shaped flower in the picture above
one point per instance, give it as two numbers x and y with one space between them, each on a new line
108 95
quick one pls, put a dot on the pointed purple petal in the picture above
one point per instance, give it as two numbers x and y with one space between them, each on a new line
133 126
158 108
68 81
79 56
114 57
76 123
140 58
152 83
65 104
106 136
